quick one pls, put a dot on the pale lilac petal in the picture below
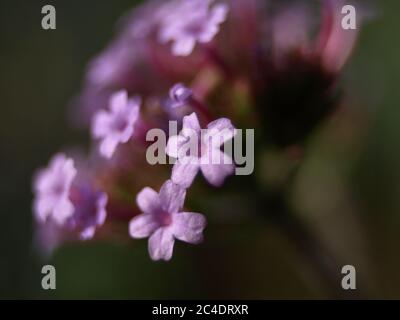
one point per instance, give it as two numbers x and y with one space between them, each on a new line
166 34
161 244
216 167
100 124
172 196
189 226
142 226
133 107
42 180
183 46
218 14
208 34
190 125
87 233
108 146
221 130
57 161
42 208
118 101
69 172
101 209
174 146
184 171
126 134
148 200
63 210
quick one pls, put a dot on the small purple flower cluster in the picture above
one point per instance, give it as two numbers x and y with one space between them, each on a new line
223 50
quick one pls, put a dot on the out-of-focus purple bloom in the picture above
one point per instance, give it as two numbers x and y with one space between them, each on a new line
89 214
195 151
90 211
142 21
163 221
191 21
110 66
117 125
52 186
179 95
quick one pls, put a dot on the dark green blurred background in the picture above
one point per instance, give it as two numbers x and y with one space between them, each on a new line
353 168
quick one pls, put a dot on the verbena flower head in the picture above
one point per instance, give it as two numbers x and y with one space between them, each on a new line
196 151
269 67
115 126
192 21
163 220
52 186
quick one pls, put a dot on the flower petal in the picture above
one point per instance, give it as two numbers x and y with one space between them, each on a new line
126 134
148 200
174 145
184 171
220 130
191 125
108 146
218 13
208 34
183 46
100 124
134 107
161 244
216 167
172 196
69 172
62 211
118 101
142 226
87 233
101 213
42 208
189 226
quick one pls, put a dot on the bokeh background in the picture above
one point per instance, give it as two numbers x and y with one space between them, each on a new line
347 193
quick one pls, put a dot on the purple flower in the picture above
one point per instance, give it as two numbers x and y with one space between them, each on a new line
191 21
111 65
179 95
117 125
52 186
163 221
196 150
90 211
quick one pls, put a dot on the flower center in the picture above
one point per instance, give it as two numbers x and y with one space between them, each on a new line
58 189
120 124
195 27
164 218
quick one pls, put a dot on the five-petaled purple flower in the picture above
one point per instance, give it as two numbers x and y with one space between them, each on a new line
117 125
192 21
197 149
52 187
90 210
163 221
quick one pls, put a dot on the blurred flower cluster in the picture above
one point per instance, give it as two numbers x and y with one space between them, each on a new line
268 65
